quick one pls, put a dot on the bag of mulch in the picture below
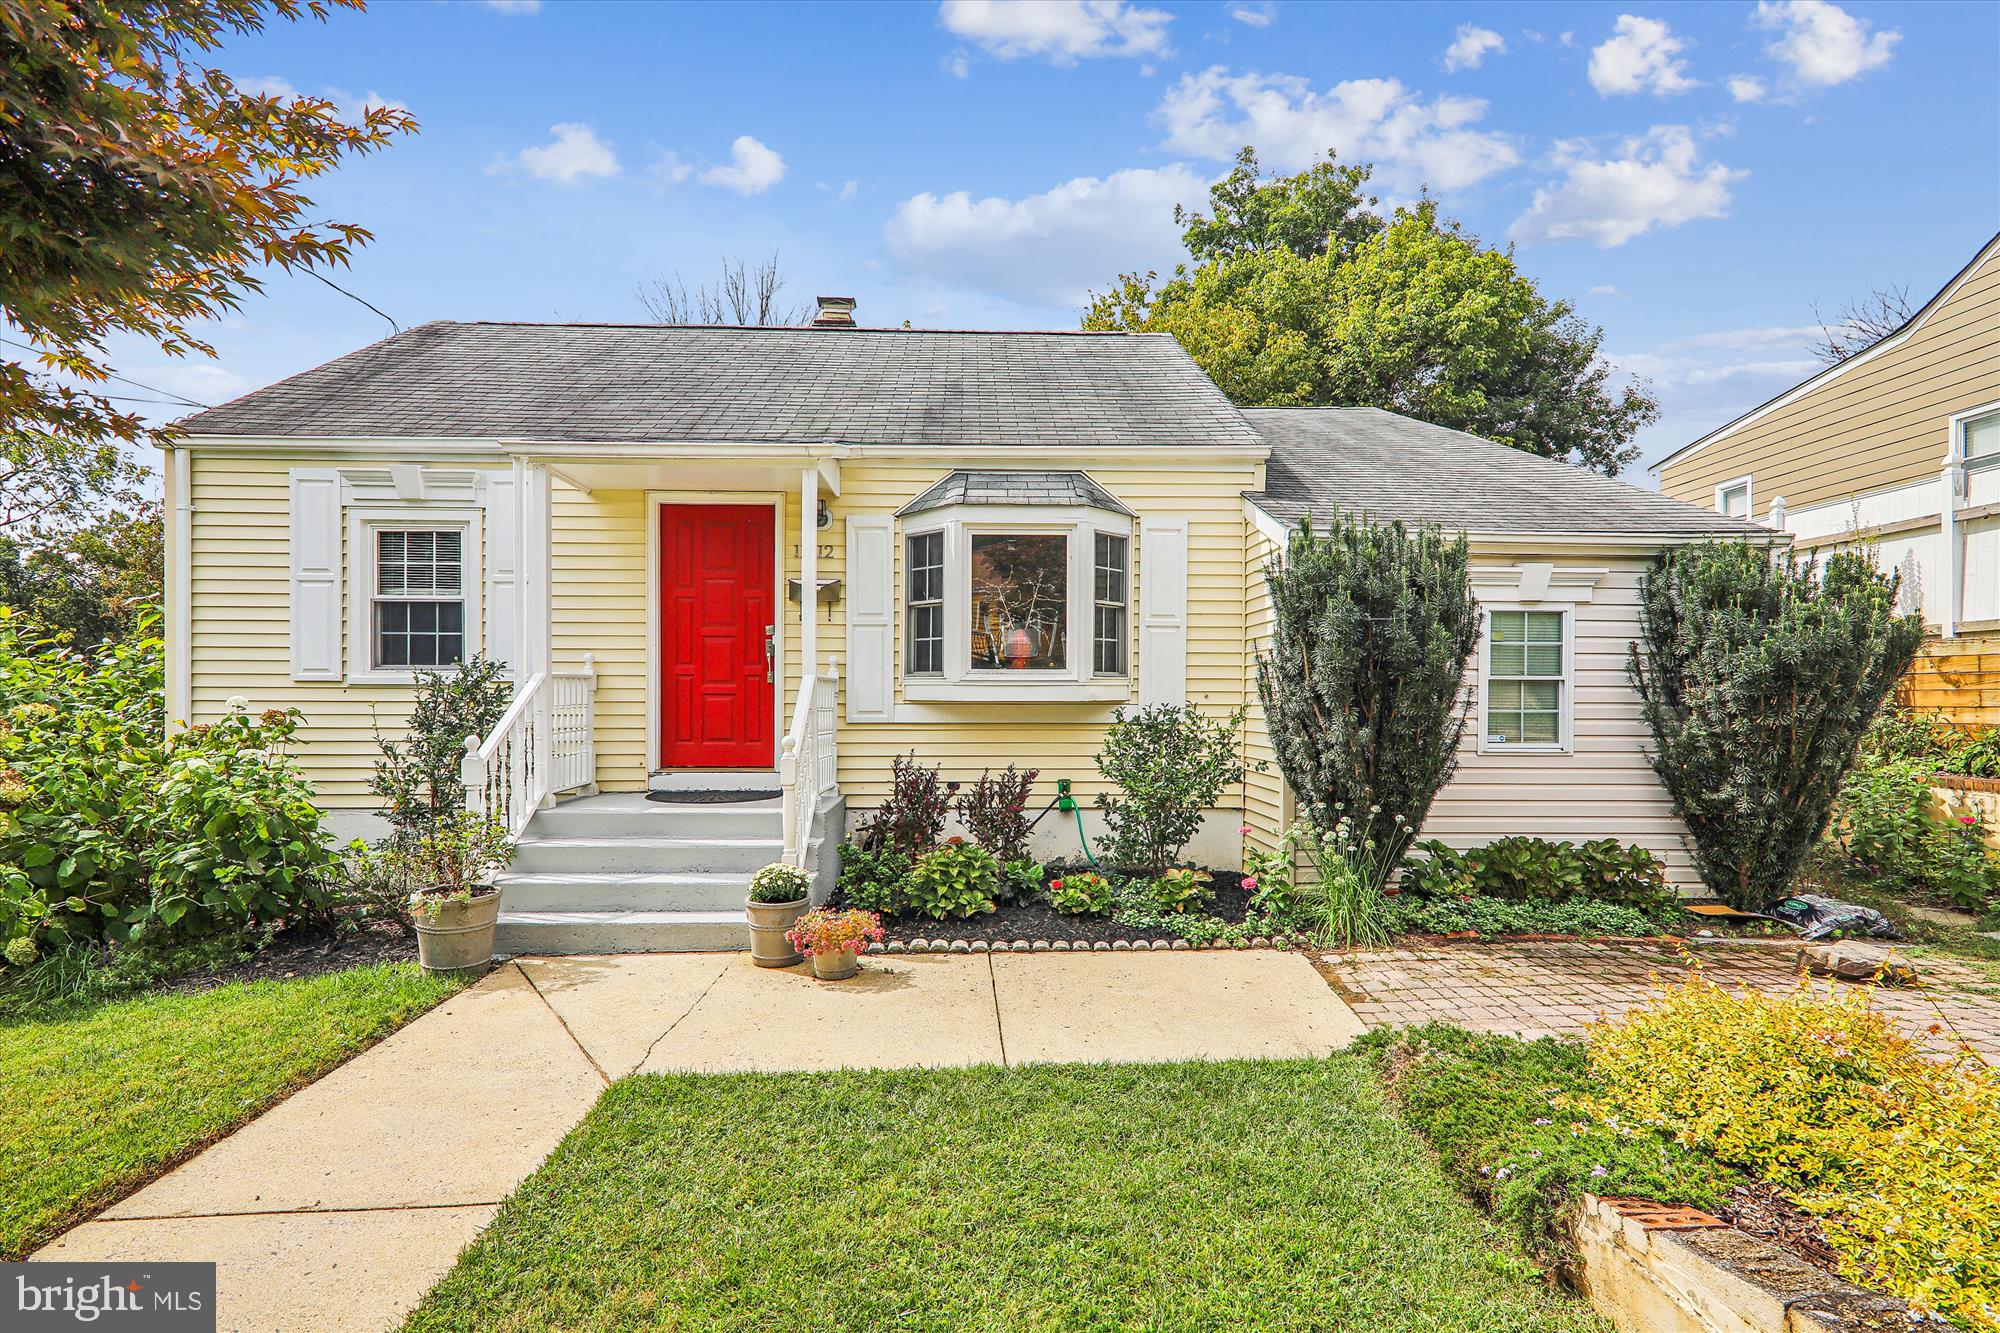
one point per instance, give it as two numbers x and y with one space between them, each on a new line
1816 918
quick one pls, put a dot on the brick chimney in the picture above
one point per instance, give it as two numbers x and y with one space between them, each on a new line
835 312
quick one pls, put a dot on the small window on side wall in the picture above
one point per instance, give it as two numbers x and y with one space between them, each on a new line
1979 440
1732 498
924 598
1527 679
418 610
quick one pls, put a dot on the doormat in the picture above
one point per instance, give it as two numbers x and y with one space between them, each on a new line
709 797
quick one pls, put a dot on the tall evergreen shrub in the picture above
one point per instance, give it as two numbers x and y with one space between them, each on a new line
1759 674
1361 686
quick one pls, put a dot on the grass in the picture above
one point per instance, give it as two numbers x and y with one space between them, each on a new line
97 1099
1269 1195
1493 1108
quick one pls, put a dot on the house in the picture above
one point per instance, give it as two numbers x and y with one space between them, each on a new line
1897 448
721 560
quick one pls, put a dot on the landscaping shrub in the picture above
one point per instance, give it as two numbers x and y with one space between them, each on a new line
873 879
957 879
994 811
1495 1110
111 830
1169 765
1758 675
418 777
912 817
1888 820
1082 892
1520 869
780 882
1978 757
1361 686
1408 913
1896 1154
1019 881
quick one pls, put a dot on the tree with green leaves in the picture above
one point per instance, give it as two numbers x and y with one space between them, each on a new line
91 582
142 190
1301 296
1759 673
1361 684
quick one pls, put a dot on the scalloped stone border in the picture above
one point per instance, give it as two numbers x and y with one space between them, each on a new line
941 945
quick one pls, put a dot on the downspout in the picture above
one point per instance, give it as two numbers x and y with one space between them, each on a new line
179 590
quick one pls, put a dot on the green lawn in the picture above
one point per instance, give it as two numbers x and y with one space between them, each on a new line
1275 1194
97 1099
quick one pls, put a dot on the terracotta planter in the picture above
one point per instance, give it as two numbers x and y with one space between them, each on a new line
836 966
460 936
768 924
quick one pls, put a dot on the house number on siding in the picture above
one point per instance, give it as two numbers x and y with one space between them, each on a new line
825 550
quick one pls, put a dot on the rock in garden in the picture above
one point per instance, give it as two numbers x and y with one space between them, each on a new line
1858 960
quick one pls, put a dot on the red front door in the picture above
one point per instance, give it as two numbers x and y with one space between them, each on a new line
715 610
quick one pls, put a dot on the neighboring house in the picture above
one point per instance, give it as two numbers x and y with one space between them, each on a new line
1003 537
1898 448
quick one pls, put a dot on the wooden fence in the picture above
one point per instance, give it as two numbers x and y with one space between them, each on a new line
1959 678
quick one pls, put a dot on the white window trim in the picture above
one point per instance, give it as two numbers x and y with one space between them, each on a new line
1959 421
1566 694
362 524
960 682
1749 496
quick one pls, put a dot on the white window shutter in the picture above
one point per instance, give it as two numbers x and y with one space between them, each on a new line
1163 557
315 498
503 569
871 618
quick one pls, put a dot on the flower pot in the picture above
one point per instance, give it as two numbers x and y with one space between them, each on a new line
836 966
768 924
459 936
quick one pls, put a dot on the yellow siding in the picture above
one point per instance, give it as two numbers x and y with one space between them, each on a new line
1263 785
1881 424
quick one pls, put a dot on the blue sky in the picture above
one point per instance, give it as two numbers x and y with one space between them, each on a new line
1693 177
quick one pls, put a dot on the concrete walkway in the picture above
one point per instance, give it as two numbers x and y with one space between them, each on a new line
339 1207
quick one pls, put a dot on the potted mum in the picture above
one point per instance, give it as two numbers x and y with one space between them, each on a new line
834 940
777 900
449 870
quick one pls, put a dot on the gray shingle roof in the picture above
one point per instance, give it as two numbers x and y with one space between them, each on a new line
644 382
1395 467
1015 488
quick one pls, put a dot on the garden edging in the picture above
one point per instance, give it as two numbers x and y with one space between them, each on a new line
1653 1268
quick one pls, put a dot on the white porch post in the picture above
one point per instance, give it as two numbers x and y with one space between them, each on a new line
531 585
808 577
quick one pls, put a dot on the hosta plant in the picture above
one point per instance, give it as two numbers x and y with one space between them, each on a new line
956 879
1182 888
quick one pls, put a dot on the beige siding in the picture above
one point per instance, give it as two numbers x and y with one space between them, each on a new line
1881 424
1263 785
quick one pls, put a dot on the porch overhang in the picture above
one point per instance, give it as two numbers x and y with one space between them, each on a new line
681 465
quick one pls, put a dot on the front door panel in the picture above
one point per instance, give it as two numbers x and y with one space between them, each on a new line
715 602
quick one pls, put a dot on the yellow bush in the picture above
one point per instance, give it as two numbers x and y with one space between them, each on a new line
1896 1153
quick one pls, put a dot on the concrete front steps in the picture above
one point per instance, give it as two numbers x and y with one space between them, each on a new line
622 874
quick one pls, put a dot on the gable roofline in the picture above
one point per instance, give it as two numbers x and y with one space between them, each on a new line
1824 377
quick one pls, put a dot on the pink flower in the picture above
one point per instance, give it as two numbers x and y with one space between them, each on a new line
1250 882
1968 819
1243 828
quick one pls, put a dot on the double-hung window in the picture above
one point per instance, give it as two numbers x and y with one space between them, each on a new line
924 603
1111 584
417 612
1527 680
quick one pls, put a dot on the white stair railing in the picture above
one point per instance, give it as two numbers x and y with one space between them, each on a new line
543 744
808 763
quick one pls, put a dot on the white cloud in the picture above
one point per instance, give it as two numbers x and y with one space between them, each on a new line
1746 88
1051 248
1641 55
1605 289
1470 45
267 85
1214 113
1256 16
752 168
514 6
1659 181
1062 31
842 192
669 168
1822 44
574 153
958 64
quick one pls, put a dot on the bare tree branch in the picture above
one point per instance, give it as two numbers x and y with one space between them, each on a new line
1862 324
743 296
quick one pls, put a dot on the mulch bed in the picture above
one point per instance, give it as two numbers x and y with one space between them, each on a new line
307 954
1769 1215
1039 921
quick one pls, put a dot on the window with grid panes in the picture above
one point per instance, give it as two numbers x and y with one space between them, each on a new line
419 598
1526 673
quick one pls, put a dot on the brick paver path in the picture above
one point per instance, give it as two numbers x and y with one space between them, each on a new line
1554 989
